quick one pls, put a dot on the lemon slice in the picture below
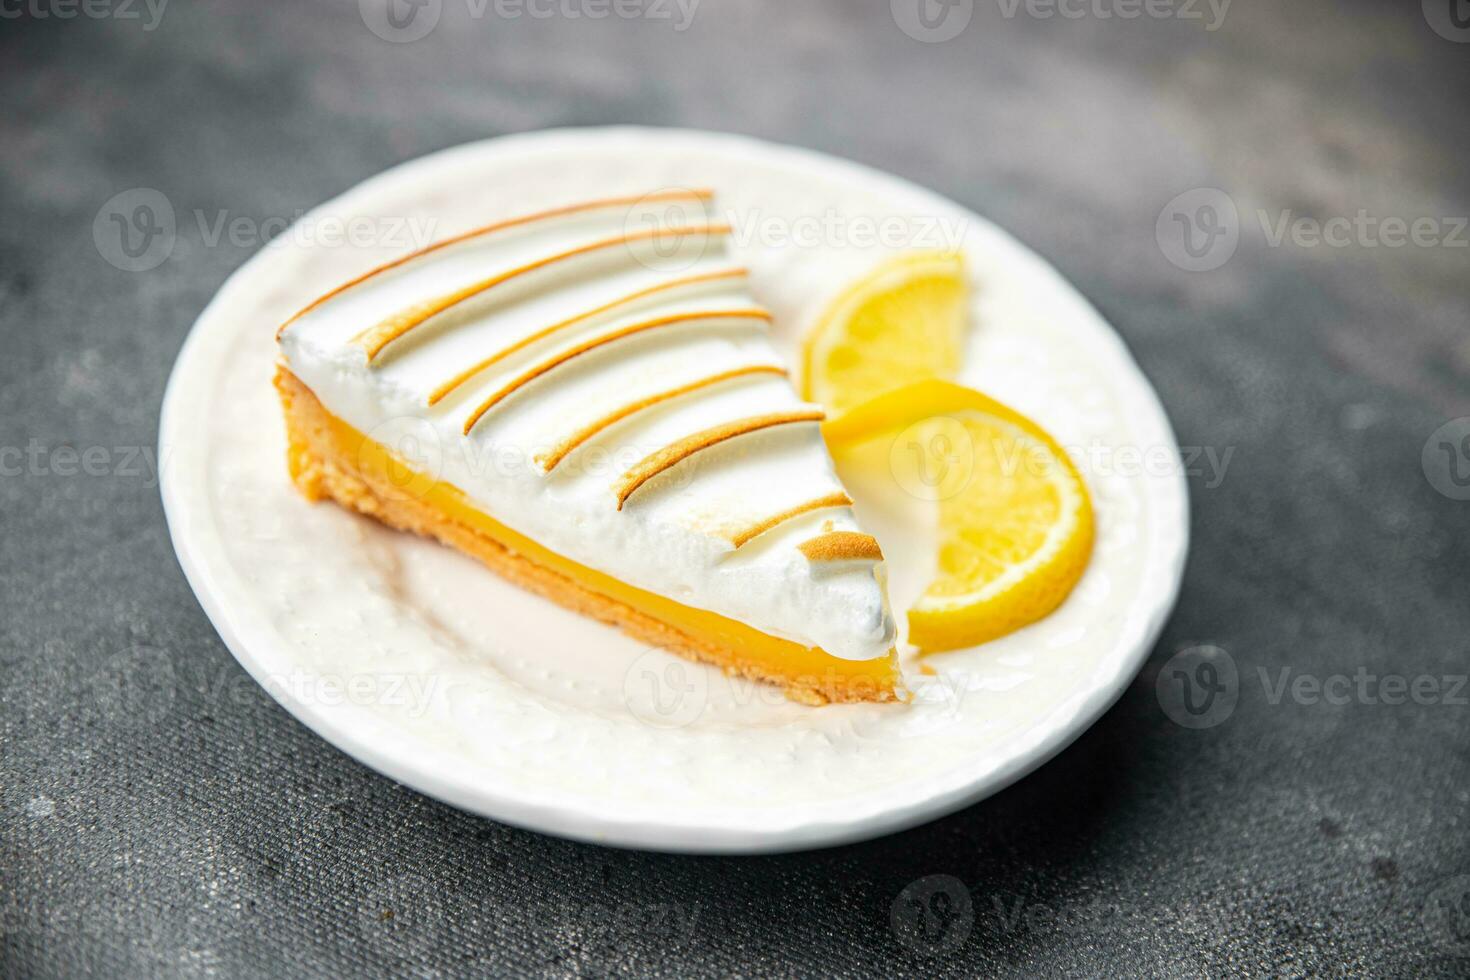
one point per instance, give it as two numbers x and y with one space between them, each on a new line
1015 518
904 321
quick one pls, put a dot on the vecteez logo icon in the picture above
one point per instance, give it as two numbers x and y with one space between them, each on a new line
932 21
933 459
1447 915
1198 687
401 21
671 229
417 456
663 691
135 687
135 230
933 915
1446 459
1199 230
1450 19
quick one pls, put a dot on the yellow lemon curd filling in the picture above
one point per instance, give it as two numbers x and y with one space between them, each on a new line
408 498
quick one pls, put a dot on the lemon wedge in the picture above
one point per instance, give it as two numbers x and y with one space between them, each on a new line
1014 515
903 321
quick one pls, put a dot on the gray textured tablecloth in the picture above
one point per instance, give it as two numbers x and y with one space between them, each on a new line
161 816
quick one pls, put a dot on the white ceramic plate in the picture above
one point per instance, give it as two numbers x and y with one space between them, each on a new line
421 664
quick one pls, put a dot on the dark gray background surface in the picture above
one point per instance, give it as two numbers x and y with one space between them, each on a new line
161 816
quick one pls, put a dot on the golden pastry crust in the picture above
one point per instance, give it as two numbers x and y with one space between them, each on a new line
323 467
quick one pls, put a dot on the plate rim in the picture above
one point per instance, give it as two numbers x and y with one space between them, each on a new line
1060 727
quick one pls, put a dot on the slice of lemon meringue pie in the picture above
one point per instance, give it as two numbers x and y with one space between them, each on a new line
588 401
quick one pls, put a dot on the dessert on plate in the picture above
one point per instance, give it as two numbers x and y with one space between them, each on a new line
587 401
